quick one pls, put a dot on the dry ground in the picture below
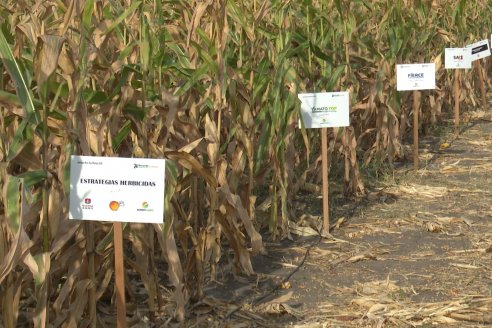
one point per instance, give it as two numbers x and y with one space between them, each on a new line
416 252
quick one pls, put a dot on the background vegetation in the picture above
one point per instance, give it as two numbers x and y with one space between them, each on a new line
211 85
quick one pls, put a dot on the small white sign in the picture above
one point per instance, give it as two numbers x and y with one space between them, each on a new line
415 77
457 58
117 189
479 49
325 109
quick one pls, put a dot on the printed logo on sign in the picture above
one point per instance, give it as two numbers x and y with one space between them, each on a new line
326 109
145 208
480 48
144 166
114 205
458 57
87 207
415 75
87 204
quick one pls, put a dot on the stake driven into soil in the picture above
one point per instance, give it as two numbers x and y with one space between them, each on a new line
119 274
324 161
456 101
416 108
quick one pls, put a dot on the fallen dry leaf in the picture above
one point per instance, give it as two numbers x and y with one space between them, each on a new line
433 227
465 266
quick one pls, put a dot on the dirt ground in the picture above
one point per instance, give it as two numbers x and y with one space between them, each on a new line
416 252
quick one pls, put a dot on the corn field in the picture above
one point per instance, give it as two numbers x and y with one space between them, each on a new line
210 85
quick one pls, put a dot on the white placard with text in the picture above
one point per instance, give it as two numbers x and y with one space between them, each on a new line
479 49
117 189
415 77
325 109
457 58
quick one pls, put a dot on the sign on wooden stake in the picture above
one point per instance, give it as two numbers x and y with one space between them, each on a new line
120 190
323 110
457 58
479 49
416 77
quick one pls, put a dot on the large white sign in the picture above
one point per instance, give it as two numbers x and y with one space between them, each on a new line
457 58
479 49
415 77
325 109
117 189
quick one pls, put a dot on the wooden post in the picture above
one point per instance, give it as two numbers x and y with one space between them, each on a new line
416 107
324 163
482 85
456 101
119 274
91 272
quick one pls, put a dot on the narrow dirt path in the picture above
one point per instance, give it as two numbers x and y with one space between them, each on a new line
417 253
421 251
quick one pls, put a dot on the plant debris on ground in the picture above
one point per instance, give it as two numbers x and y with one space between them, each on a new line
414 253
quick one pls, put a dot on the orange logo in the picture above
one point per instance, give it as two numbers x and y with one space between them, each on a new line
114 205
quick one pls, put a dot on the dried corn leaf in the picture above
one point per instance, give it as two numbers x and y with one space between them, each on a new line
433 227
464 266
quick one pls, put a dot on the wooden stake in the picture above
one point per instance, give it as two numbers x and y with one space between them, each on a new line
457 101
324 163
482 85
416 107
119 275
91 272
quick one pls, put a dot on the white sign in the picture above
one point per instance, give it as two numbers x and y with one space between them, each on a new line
325 109
457 58
415 77
480 49
117 189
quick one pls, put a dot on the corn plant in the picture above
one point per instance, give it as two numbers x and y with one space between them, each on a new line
212 87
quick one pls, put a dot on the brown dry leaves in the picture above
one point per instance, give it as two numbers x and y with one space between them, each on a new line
384 301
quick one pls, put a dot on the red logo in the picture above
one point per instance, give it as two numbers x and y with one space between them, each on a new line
87 201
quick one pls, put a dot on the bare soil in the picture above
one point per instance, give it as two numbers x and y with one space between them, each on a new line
415 252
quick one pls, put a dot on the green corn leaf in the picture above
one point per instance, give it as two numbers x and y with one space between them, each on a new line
122 134
33 177
194 80
12 201
87 15
319 53
145 44
23 135
21 87
124 15
69 149
335 76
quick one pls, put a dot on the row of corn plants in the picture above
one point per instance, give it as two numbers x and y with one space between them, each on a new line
212 86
